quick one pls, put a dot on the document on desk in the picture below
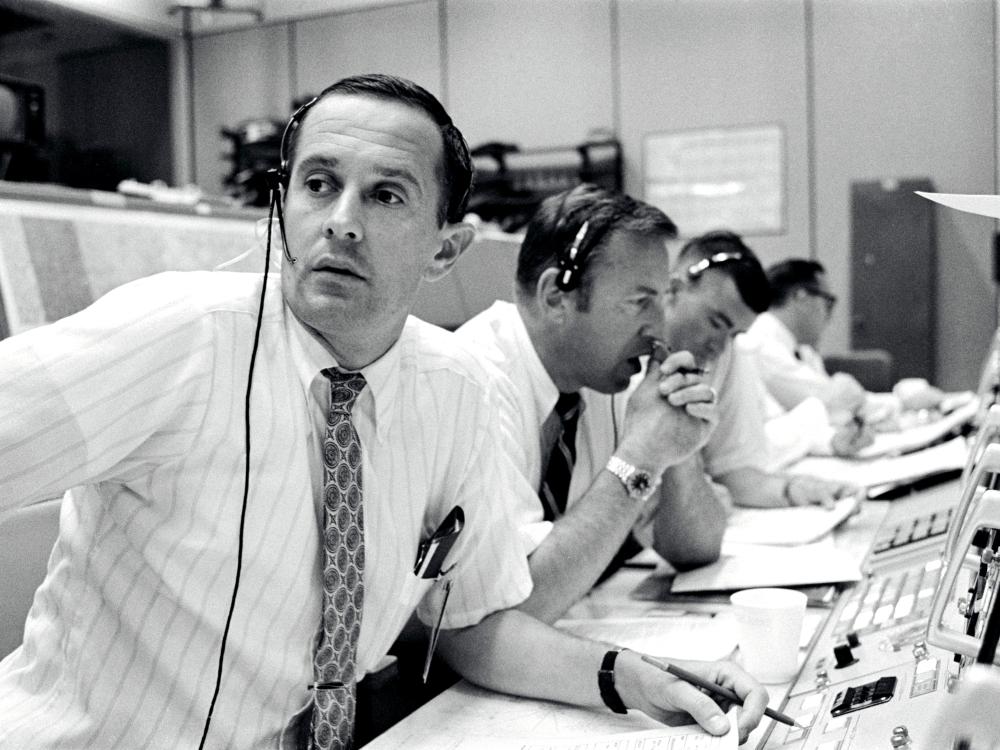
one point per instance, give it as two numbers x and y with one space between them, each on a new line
690 737
466 717
785 526
742 566
920 436
909 467
691 636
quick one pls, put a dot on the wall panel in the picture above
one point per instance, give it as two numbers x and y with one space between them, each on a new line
402 40
240 75
715 63
533 73
906 90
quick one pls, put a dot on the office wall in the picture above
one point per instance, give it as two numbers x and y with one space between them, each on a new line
239 75
910 94
863 89
533 73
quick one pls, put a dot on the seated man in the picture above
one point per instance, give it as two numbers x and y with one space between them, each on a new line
253 469
785 343
592 275
718 289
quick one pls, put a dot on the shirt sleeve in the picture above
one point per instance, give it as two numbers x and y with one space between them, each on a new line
790 380
491 570
739 440
96 394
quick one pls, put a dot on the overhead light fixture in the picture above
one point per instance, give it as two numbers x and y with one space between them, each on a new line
215 6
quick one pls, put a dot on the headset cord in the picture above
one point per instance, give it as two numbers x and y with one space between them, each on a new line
246 475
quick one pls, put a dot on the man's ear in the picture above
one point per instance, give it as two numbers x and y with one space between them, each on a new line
455 238
550 299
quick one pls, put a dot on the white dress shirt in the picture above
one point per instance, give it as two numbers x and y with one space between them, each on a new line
791 372
501 335
137 403
527 401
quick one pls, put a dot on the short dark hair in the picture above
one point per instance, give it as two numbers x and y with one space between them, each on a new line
455 178
558 219
792 274
744 268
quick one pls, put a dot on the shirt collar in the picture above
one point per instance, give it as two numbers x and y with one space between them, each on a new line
546 394
311 357
775 329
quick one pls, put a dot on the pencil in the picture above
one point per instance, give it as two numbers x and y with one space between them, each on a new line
711 687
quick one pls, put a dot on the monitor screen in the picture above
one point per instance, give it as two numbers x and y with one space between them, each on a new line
22 113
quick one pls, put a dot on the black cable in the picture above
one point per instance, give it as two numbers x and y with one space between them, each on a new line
246 476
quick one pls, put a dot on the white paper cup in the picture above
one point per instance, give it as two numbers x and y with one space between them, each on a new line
769 627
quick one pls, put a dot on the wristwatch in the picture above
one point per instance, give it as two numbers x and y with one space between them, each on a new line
639 483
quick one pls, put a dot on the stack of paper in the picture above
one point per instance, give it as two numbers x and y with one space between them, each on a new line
909 467
920 436
784 526
752 565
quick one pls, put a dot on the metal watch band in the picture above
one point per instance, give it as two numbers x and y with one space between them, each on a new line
606 683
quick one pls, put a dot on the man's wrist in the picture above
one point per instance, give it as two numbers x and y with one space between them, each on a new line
606 682
640 483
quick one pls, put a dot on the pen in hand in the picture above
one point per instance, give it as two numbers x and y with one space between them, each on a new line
711 687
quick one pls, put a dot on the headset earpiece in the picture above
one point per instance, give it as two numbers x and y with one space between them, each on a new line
571 262
697 269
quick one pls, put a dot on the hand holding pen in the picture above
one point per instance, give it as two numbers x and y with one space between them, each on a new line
641 684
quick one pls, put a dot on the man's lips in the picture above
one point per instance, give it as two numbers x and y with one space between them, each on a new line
338 269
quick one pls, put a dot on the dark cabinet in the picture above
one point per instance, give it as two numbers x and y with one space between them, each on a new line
893 271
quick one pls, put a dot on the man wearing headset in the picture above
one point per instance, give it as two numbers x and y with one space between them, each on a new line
239 548
718 290
593 275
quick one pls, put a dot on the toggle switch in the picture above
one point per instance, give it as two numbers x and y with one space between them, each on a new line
843 656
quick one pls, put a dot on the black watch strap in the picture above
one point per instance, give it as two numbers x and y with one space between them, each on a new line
606 683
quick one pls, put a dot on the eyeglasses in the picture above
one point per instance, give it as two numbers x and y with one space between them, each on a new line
829 299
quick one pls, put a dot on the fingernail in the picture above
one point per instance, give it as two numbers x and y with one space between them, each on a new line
718 724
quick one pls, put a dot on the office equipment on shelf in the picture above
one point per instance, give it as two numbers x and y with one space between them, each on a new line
511 183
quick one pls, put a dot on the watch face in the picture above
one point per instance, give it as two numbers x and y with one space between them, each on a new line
639 483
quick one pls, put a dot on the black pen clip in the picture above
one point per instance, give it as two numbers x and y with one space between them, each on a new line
432 552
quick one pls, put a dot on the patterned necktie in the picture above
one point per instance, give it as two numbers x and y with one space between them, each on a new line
343 566
555 481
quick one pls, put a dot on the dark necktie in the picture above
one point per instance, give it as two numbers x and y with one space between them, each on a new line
343 565
555 480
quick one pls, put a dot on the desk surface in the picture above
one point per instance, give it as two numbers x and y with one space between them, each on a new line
466 711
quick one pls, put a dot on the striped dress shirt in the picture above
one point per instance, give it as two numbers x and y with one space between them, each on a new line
529 395
137 404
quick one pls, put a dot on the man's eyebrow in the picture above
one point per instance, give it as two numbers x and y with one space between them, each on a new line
384 172
399 173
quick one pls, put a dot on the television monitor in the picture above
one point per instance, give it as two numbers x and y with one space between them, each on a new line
22 113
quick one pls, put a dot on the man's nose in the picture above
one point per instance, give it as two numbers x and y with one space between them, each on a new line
344 218
655 323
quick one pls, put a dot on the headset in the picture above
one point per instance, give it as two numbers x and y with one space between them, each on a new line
572 260
277 179
697 269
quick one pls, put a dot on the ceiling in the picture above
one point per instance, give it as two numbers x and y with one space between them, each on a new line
34 32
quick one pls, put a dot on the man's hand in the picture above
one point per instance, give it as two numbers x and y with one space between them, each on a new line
673 701
805 490
670 415
851 437
848 393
